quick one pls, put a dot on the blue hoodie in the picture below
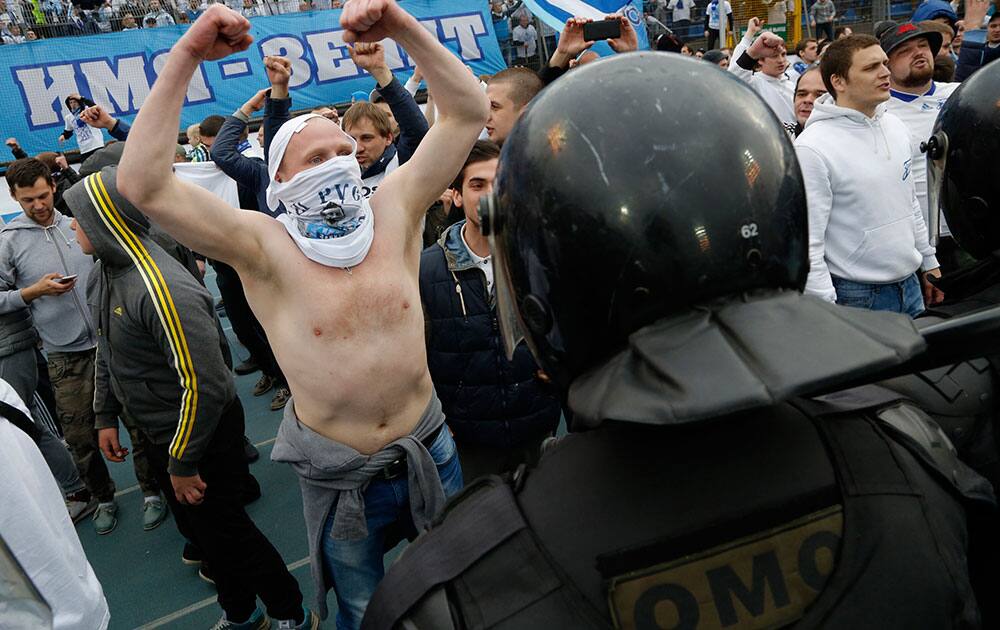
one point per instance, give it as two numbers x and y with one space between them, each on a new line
931 9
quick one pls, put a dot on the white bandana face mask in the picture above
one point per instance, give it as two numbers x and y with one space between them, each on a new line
325 212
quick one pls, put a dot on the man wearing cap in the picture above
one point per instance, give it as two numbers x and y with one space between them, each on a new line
915 98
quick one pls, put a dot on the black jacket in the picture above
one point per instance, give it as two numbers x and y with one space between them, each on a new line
250 174
974 55
487 399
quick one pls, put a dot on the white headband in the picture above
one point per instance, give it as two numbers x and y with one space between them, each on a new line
279 143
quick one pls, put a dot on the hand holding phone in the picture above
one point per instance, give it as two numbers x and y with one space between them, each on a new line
602 29
66 279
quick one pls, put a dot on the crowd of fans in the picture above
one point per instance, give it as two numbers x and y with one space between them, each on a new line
524 39
30 20
856 106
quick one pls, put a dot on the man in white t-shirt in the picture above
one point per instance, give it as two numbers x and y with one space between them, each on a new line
681 11
712 23
88 139
916 99
35 526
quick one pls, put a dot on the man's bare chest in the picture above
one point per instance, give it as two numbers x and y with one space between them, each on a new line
379 293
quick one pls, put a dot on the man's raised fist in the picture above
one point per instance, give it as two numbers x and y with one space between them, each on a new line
217 33
372 20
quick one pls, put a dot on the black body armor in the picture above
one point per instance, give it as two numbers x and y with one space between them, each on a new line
841 513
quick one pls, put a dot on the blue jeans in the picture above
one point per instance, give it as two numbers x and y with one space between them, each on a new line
356 566
904 296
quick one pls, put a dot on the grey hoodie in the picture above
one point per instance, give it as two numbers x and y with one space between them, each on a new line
28 251
161 351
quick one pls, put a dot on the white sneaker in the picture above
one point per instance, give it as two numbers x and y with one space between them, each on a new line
78 510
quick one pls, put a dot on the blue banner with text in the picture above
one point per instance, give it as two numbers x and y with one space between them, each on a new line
116 70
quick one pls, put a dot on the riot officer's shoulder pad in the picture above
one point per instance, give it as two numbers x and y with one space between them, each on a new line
910 427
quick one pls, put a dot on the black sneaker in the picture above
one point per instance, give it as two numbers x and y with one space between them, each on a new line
206 574
191 555
264 385
250 491
247 367
250 452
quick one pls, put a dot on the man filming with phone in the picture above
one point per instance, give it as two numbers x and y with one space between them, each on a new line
40 268
510 90
578 35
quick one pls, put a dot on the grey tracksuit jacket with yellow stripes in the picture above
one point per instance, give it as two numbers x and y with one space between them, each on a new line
160 346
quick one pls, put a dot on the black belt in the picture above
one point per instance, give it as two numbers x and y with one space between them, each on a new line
397 467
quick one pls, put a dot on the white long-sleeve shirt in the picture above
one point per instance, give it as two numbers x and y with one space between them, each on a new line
918 112
777 92
865 223
36 526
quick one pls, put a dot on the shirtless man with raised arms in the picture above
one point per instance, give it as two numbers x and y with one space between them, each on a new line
335 284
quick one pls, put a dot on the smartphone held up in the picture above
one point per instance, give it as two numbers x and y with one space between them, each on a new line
601 30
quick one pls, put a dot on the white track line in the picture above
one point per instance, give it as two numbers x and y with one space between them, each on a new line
208 601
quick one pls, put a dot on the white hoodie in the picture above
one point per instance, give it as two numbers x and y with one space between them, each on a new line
864 220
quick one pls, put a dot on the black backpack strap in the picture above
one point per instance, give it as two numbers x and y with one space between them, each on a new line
20 420
484 517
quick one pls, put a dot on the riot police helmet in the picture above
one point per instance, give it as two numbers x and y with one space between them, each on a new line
963 175
633 188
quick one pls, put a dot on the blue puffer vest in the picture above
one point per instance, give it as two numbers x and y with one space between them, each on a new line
487 399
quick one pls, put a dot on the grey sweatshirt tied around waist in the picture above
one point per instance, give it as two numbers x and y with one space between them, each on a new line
331 473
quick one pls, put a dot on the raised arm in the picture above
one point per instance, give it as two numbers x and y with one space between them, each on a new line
15 149
225 152
462 108
192 215
749 51
96 117
412 124
278 104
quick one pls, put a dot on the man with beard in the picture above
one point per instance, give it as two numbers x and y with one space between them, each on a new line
944 61
916 99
